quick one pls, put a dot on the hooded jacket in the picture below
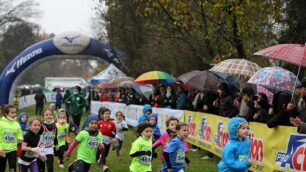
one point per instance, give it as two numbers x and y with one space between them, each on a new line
144 116
23 125
156 130
236 153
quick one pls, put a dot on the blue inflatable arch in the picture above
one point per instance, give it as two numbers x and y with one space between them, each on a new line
68 43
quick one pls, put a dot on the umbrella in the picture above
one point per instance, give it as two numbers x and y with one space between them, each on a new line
120 79
155 77
204 81
187 76
290 53
236 67
126 84
107 85
145 90
276 78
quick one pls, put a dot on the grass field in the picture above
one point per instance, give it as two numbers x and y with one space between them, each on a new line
123 165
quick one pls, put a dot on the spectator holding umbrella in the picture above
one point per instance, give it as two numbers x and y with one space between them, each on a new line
224 102
302 101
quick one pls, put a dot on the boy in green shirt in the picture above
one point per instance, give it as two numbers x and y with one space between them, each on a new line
89 140
141 150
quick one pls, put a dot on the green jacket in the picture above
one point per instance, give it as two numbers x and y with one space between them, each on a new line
77 104
10 135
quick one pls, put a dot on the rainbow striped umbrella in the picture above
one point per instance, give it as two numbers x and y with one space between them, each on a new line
155 77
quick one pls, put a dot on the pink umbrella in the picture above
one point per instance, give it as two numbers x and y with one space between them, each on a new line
290 53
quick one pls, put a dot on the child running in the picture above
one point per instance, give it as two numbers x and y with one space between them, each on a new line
89 140
63 136
167 136
10 136
30 149
107 128
121 126
141 150
47 141
174 153
236 153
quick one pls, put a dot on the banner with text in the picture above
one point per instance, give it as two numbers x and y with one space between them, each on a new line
278 149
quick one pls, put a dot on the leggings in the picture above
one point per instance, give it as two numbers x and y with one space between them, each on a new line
49 162
33 167
105 152
76 119
79 166
118 147
60 153
11 157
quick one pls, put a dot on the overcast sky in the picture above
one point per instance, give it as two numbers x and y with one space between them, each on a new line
58 16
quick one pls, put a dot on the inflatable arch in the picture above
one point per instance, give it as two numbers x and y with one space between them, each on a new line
68 43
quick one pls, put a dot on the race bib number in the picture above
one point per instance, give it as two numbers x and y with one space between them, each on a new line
30 154
145 159
107 140
48 139
62 135
9 137
243 157
93 143
180 157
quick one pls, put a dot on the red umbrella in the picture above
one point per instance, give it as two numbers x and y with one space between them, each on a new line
290 53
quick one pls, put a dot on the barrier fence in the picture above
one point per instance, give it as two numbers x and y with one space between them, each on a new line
273 150
26 101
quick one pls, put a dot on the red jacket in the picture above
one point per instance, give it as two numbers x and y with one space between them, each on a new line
107 128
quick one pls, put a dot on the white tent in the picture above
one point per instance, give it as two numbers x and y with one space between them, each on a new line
106 75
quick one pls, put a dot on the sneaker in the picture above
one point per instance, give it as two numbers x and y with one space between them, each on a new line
205 157
105 168
61 165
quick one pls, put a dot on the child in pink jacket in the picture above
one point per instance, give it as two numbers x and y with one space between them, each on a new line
167 136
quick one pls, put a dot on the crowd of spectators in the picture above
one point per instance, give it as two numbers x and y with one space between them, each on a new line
249 104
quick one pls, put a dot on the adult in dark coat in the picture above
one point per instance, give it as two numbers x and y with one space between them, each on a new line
40 99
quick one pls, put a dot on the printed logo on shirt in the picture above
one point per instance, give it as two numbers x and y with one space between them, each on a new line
295 155
9 137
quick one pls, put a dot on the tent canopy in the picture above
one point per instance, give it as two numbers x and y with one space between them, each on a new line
106 75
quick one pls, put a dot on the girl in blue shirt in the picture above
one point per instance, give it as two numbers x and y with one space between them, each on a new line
175 151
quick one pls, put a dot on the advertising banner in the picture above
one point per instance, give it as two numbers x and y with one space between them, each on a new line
273 150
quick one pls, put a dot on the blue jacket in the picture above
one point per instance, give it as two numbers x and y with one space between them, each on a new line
144 116
181 102
23 125
176 150
236 153
156 130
